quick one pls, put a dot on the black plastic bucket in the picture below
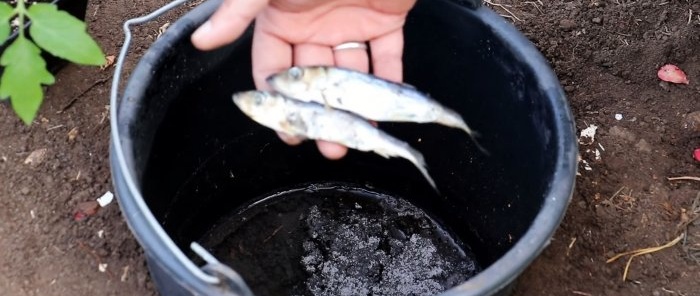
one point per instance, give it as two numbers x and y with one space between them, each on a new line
188 166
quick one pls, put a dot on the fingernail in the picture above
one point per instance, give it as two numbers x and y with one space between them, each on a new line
202 31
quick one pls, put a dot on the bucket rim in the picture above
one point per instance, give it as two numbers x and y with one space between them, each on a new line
493 278
560 190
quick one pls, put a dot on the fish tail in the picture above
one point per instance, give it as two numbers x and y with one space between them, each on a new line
419 161
453 119
473 135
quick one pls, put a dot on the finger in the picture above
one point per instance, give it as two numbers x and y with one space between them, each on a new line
312 55
356 59
270 55
331 151
289 139
227 23
393 7
387 52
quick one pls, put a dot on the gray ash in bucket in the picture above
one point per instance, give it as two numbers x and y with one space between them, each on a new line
349 253
340 241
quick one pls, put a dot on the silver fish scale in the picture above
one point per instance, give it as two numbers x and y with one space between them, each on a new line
315 121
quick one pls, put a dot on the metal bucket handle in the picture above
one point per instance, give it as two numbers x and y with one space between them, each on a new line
214 272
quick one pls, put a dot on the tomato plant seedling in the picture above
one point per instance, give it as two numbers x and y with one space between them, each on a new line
52 30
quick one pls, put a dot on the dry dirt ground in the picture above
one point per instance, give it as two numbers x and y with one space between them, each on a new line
606 54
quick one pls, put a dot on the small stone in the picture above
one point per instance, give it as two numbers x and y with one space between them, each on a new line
567 24
665 86
101 252
597 20
622 133
581 204
85 209
36 157
72 134
692 121
24 190
569 88
643 146
141 279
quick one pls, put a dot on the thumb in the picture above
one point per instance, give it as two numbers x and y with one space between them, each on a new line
227 23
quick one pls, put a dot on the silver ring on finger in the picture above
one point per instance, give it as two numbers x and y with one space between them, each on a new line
350 45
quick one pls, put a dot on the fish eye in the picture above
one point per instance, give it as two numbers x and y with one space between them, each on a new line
259 98
295 73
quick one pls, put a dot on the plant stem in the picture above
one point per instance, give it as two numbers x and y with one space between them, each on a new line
21 11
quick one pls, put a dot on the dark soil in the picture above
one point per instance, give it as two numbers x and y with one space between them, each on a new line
606 54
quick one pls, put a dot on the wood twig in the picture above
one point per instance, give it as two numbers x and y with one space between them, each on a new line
97 258
687 178
504 8
640 252
96 83
273 233
537 6
690 16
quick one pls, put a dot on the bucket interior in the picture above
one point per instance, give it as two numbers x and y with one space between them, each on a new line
199 161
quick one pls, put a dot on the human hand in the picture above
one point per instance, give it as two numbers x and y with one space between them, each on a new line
304 32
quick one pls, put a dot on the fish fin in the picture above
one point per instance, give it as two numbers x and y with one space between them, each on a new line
383 153
409 86
424 170
326 104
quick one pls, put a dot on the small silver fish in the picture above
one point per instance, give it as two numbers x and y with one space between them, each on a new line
314 121
366 95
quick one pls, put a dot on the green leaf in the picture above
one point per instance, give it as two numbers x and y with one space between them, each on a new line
25 71
63 35
6 12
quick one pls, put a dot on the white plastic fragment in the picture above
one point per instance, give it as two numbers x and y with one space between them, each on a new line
597 154
589 133
586 166
618 116
125 273
105 199
100 233
102 267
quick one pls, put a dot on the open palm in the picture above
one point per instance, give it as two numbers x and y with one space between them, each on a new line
303 32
